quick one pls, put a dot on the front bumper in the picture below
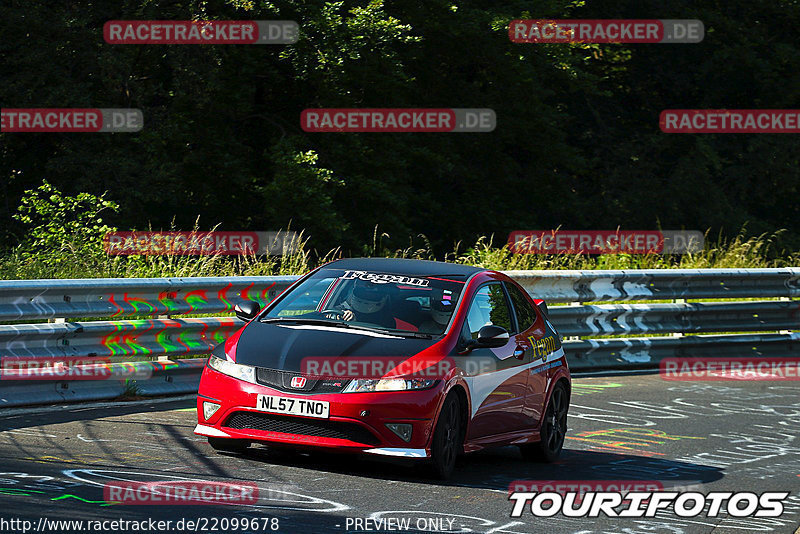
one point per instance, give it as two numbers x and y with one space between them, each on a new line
357 421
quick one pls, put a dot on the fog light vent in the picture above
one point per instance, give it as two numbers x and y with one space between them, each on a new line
403 430
209 409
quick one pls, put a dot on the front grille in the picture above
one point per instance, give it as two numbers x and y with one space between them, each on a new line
282 380
303 427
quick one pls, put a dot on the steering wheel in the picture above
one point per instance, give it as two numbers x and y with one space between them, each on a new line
338 315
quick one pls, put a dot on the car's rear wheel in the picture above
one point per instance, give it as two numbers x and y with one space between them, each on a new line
554 429
447 438
228 444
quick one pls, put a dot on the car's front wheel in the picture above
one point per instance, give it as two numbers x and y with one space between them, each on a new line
228 445
554 429
447 438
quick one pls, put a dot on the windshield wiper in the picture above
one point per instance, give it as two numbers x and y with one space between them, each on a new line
344 324
399 333
300 320
323 322
406 333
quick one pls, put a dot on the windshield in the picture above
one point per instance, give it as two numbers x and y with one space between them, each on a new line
387 301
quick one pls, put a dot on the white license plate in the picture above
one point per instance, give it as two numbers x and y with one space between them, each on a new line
306 407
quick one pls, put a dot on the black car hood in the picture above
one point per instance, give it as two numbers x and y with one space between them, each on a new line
284 346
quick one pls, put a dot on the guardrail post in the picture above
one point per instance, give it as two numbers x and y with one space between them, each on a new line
678 301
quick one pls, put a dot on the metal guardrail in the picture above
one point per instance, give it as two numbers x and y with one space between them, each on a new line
639 353
127 297
659 284
685 318
113 297
164 378
164 335
116 339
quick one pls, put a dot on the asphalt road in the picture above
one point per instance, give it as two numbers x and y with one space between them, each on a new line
724 436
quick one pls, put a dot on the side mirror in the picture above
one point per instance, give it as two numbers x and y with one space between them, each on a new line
247 310
492 336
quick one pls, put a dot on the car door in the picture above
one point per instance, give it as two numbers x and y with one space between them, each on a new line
498 387
530 333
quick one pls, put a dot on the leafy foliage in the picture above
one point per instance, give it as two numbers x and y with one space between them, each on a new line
577 143
61 227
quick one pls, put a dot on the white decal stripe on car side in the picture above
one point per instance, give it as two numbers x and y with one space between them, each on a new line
405 453
481 386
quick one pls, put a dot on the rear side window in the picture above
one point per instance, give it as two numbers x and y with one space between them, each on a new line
525 313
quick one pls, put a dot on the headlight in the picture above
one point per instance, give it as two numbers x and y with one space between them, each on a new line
362 385
246 373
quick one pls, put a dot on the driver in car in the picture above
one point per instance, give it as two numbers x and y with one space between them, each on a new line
440 313
367 303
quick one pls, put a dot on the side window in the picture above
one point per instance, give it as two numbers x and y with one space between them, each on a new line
525 313
489 306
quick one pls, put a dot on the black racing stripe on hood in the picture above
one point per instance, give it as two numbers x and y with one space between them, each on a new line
285 346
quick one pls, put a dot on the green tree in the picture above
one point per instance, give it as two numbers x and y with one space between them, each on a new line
61 228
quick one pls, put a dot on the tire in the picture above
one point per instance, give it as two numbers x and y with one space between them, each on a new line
554 429
229 445
448 438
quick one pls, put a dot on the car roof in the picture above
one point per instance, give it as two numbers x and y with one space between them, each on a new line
406 266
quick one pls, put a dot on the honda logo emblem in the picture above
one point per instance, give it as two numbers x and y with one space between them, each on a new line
298 381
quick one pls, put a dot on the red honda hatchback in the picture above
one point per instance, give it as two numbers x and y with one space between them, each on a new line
405 358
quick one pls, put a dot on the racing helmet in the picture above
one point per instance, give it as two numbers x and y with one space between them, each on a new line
366 297
441 310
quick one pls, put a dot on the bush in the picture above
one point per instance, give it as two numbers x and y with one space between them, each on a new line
62 230
65 240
